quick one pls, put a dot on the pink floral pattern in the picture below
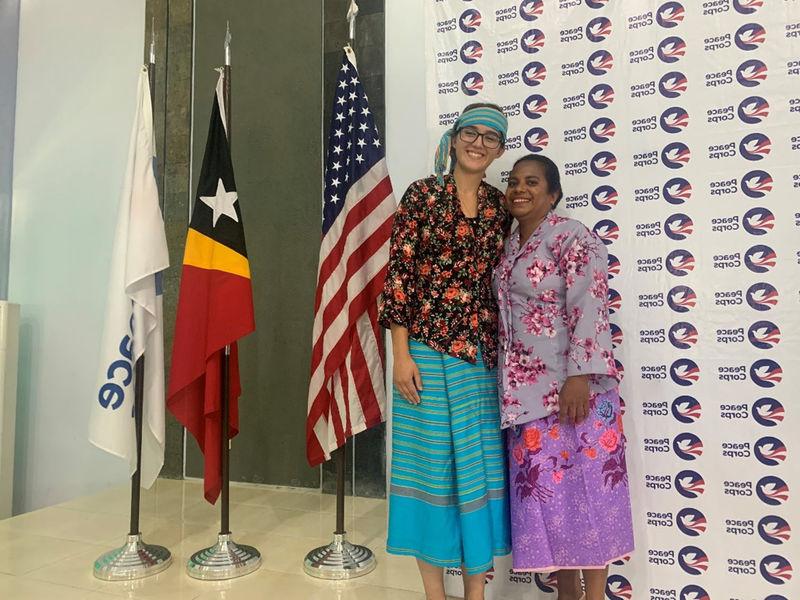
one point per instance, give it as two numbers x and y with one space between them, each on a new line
552 297
556 472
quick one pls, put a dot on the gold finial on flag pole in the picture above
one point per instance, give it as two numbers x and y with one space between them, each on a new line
228 44
153 42
352 12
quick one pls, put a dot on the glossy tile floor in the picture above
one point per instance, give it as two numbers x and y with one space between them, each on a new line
48 554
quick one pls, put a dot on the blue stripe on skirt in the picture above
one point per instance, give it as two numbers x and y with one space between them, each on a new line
448 500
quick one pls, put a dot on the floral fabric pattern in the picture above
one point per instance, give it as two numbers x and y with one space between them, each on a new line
569 496
552 298
438 284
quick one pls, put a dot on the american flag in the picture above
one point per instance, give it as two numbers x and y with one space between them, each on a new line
347 393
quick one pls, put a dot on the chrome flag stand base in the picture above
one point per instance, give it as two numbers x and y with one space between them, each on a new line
339 560
134 560
224 560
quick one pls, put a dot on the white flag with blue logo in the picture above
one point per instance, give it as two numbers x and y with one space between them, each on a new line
134 322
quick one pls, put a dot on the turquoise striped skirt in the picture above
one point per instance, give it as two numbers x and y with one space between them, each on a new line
448 502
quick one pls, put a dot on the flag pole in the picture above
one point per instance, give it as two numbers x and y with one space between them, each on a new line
136 559
226 559
340 559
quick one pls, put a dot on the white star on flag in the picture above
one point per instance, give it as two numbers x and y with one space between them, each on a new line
222 203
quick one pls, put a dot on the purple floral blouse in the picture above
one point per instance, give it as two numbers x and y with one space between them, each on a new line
552 298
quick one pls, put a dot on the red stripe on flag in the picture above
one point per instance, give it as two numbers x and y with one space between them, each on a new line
354 217
339 350
360 303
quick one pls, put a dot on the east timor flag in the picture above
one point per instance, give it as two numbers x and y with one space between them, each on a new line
215 304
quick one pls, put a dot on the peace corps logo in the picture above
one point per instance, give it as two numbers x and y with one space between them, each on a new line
673 84
671 49
694 592
747 7
530 10
775 569
751 73
770 451
622 561
598 29
472 83
618 588
691 522
775 597
470 20
536 139
756 184
760 259
687 446
602 130
534 73
532 41
621 372
693 560
680 262
616 335
678 226
762 296
614 267
774 530
607 230
596 3
758 220
686 409
764 335
471 52
685 372
753 110
603 164
547 582
750 37
677 190
683 335
772 490
755 146
766 373
600 62
614 301
605 198
676 155
535 106
674 120
690 484
681 299
670 14
601 96
767 412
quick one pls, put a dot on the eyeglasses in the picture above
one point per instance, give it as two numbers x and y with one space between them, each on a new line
490 139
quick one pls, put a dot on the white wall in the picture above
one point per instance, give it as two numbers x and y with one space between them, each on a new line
407 152
9 34
78 67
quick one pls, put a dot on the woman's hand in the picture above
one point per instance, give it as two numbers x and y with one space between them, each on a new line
573 400
406 377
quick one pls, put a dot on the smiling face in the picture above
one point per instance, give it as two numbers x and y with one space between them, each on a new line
528 196
474 156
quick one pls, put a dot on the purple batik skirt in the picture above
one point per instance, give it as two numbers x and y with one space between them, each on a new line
570 501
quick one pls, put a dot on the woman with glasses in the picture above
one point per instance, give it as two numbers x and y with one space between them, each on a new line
447 497
569 496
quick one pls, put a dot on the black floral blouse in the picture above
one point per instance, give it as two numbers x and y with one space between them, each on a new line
440 269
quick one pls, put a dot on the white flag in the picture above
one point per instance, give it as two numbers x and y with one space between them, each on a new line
134 321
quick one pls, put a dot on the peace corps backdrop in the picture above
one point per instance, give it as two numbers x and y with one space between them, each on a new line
677 127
